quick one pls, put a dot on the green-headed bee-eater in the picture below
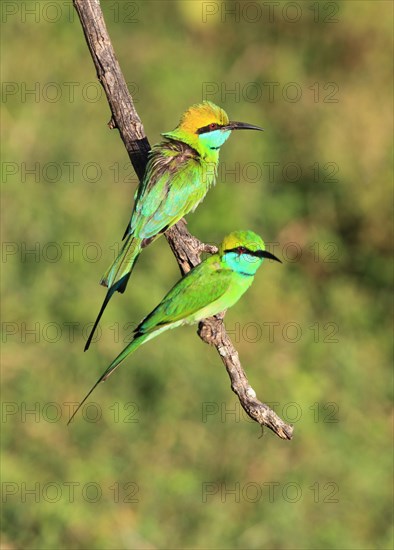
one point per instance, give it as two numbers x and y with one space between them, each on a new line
179 173
212 286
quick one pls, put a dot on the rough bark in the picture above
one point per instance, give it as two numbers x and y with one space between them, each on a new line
186 247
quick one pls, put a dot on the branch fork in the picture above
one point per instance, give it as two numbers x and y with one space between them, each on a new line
186 248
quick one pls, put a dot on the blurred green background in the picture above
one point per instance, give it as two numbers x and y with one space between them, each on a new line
164 458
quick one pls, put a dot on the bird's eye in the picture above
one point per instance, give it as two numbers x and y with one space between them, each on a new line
213 126
241 250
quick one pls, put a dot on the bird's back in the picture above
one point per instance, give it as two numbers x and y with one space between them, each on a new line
176 181
207 289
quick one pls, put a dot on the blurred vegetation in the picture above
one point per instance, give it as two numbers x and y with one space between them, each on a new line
192 472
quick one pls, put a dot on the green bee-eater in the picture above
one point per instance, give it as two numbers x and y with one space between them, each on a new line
179 173
214 285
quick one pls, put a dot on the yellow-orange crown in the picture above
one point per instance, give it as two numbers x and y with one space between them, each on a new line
200 115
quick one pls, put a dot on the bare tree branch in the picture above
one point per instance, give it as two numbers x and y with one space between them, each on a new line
186 248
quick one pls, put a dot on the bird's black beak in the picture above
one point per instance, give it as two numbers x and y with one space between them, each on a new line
241 126
266 254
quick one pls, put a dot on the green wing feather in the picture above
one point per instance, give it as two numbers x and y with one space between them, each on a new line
202 286
175 182
174 185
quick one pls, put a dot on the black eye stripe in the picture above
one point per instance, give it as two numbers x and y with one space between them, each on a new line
241 250
208 128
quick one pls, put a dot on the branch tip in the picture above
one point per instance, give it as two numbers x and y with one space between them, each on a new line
186 248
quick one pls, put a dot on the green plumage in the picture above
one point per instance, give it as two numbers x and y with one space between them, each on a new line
180 171
212 286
